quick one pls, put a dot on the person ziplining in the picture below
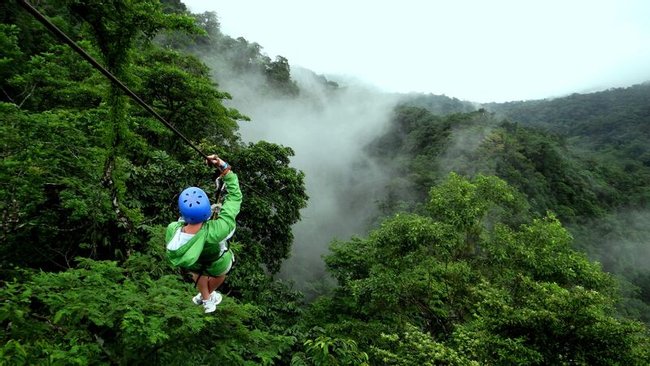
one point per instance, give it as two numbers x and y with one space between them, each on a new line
194 242
198 243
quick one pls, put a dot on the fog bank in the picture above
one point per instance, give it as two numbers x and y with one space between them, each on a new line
327 128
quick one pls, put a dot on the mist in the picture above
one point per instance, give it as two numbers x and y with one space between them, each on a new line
327 128
620 241
461 155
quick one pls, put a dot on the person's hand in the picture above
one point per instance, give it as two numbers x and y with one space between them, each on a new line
223 167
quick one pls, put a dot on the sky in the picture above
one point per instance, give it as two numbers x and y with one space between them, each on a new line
480 51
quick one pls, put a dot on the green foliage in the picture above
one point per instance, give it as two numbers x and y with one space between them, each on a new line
439 104
117 26
11 53
547 256
620 242
580 157
608 127
614 119
58 78
465 204
537 164
476 276
109 173
327 351
413 132
228 55
278 74
469 284
180 89
274 193
609 131
44 179
86 175
414 348
545 323
100 313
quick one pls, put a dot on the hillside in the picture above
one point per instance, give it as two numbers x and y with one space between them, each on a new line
583 157
447 232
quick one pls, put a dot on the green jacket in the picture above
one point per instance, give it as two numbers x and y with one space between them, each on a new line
202 253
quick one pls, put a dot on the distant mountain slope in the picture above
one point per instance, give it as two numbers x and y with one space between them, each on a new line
586 157
611 127
439 104
616 119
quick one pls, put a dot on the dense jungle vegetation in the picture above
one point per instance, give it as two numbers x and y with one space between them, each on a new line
513 234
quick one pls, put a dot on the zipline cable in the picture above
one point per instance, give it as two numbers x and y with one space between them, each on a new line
65 39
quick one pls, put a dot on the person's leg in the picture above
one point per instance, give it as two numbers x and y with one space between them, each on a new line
215 282
202 285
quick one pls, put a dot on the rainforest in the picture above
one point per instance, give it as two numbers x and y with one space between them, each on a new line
376 228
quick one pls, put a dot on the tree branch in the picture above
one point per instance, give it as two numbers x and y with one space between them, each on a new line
8 96
27 97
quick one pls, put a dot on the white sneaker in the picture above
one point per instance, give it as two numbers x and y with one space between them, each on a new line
198 299
217 297
210 305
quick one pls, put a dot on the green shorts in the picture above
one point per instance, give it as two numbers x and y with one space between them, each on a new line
222 266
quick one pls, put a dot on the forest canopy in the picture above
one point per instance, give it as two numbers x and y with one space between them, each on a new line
484 252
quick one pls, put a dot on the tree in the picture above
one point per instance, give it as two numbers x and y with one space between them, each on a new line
274 194
57 140
104 314
179 87
479 285
117 26
49 187
278 73
79 148
326 351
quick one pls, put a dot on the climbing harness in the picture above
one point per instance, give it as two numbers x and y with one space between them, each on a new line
220 194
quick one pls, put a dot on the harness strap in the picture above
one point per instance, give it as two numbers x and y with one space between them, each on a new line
202 270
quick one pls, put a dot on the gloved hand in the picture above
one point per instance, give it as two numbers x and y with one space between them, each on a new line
216 208
223 167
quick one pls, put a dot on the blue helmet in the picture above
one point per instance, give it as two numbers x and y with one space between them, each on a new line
194 205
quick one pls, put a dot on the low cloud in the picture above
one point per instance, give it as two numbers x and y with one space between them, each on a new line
461 155
620 241
328 128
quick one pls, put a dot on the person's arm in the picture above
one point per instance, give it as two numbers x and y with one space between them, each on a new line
232 201
218 229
